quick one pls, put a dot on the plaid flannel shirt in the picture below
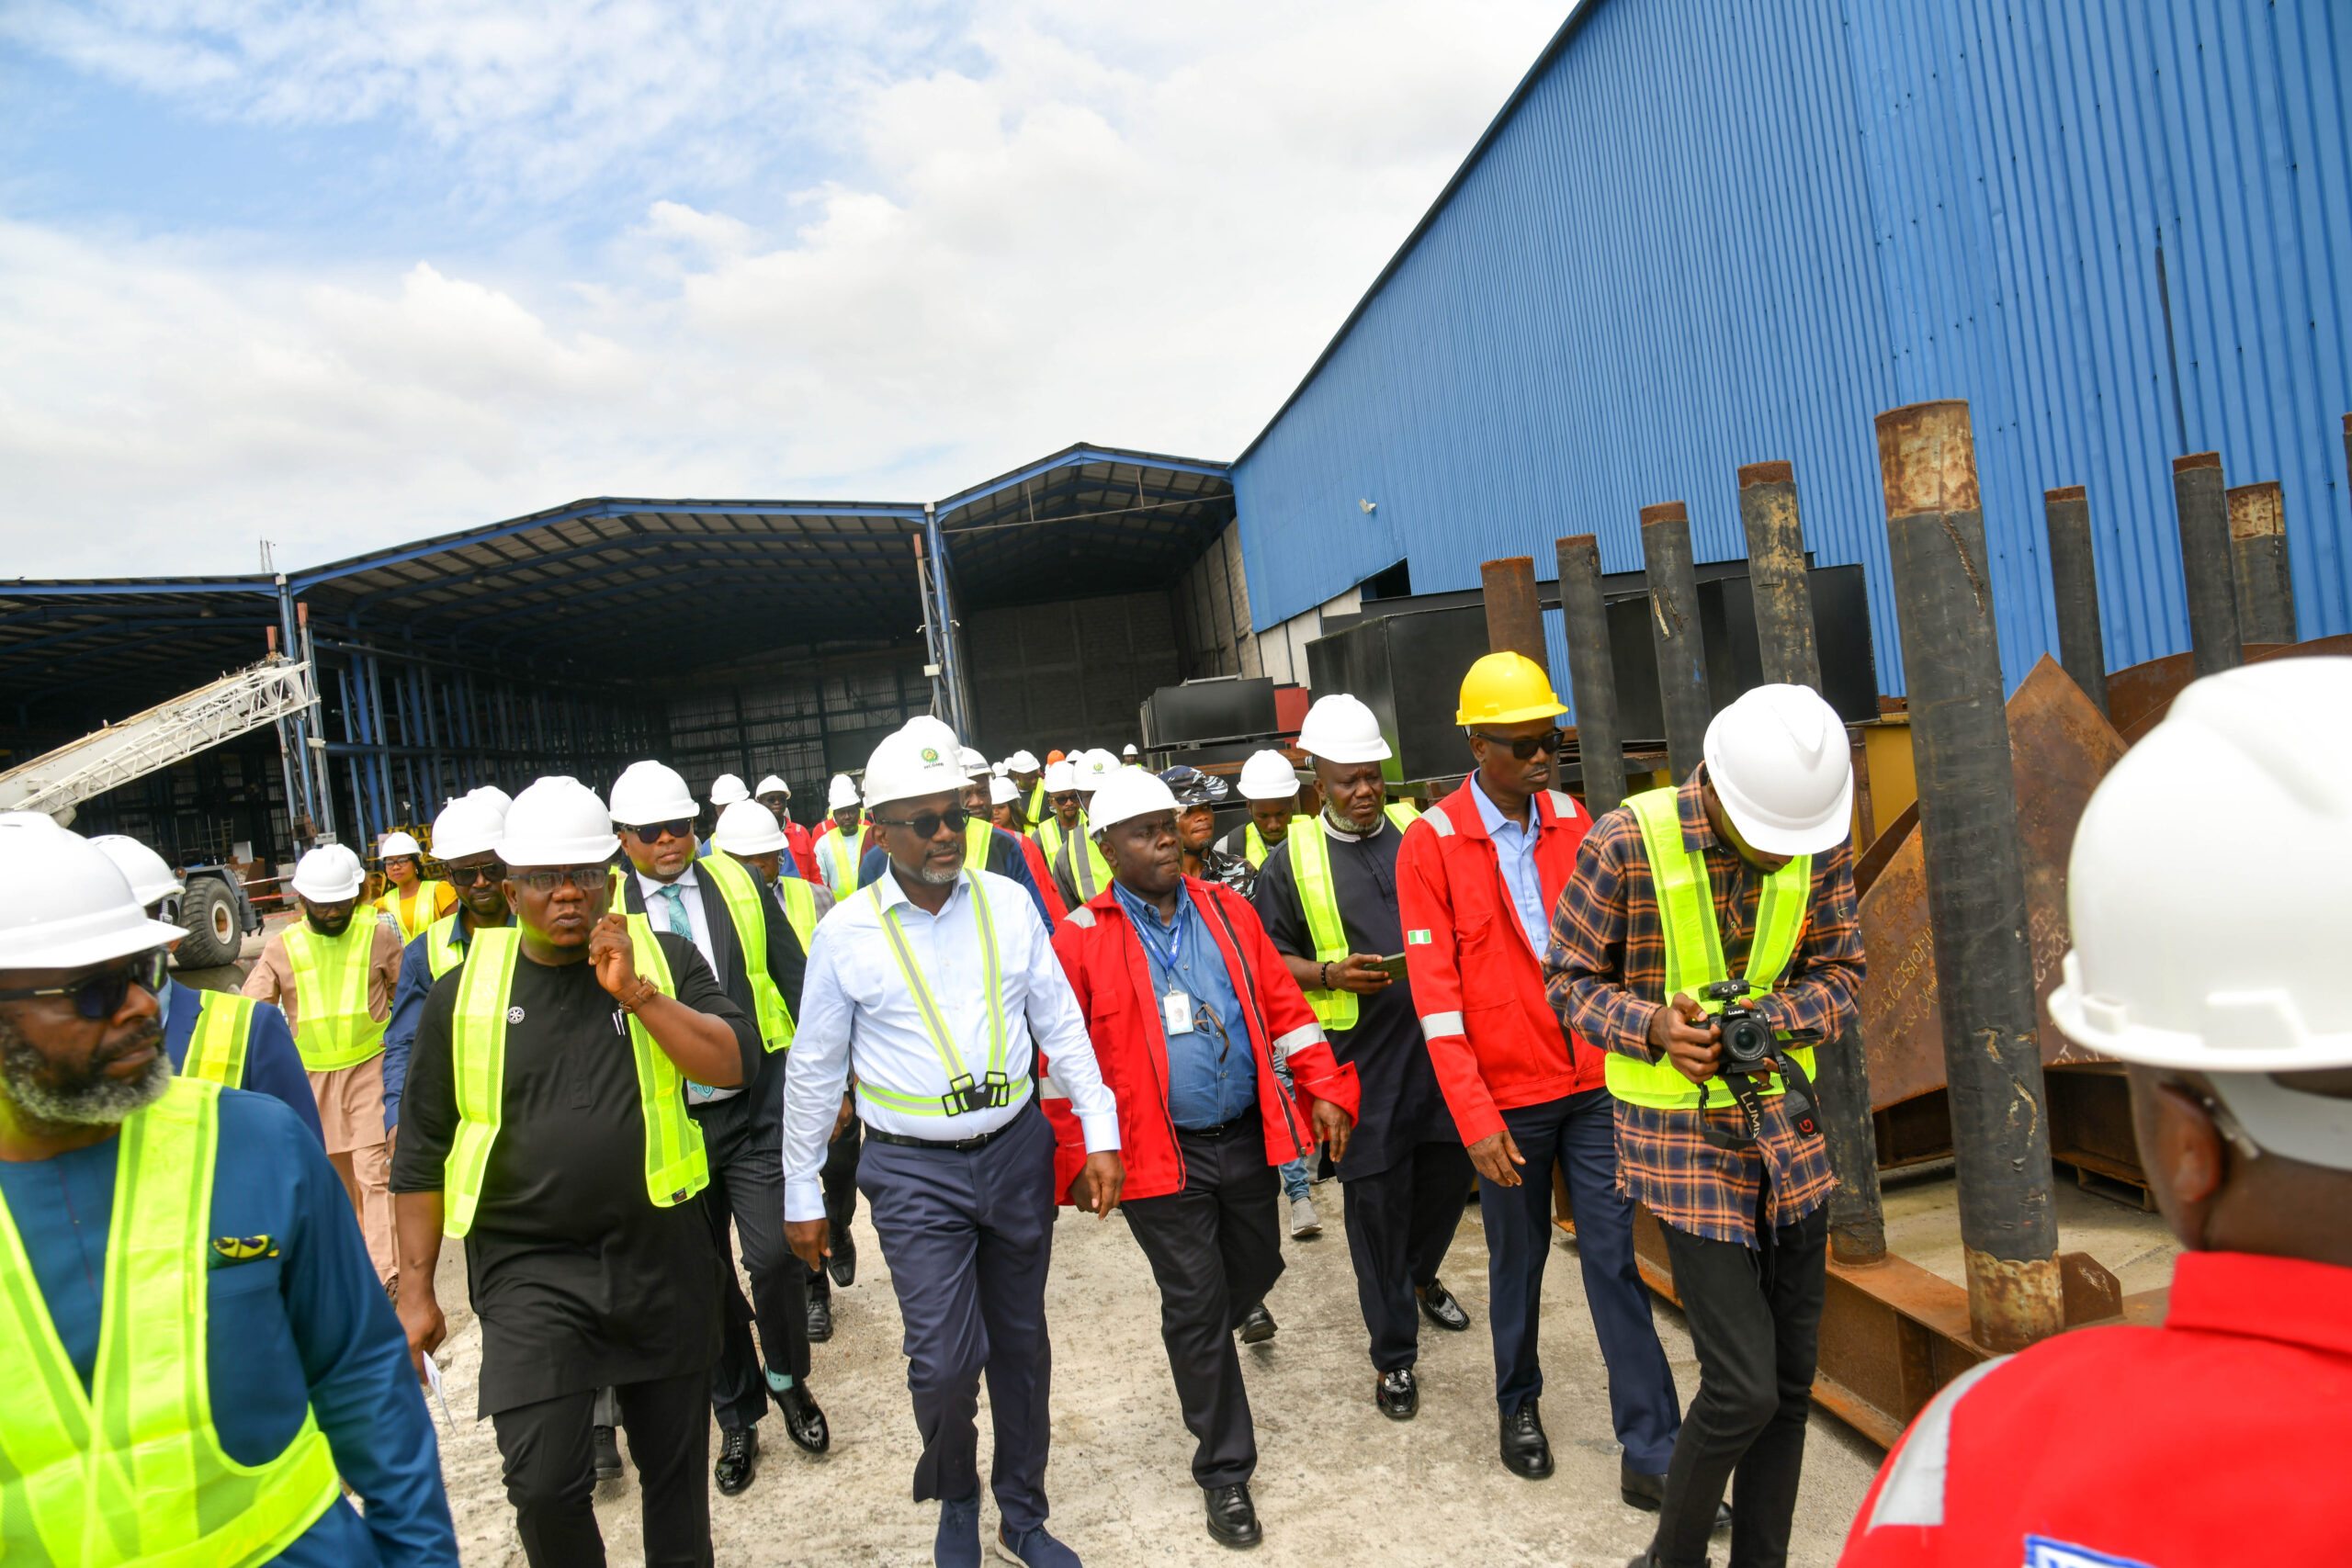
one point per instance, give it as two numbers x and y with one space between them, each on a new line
1605 975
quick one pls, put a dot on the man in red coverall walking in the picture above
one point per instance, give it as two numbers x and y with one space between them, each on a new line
1190 1007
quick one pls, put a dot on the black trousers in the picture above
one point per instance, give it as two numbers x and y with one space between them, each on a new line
1216 1249
1755 1316
551 1474
742 1141
1400 1221
840 1179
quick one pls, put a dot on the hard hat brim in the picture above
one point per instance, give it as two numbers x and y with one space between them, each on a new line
1464 718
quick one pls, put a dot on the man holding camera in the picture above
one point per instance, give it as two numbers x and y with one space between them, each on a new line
1743 874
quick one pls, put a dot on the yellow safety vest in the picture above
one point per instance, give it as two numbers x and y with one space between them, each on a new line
334 1028
1038 810
1310 867
837 861
676 1166
1254 848
1694 948
1088 872
934 1022
131 1471
419 912
216 1050
800 908
746 906
978 834
441 955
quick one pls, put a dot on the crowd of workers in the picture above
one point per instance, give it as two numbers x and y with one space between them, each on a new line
617 1061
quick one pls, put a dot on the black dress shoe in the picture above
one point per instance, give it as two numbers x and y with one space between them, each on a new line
1439 1307
1257 1328
1527 1452
608 1446
1647 1492
842 1264
820 1319
1233 1518
1397 1394
803 1422
738 1460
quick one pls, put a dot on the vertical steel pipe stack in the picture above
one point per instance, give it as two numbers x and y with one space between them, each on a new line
1514 617
2205 563
2258 558
1674 629
1592 673
2073 578
1975 873
1776 573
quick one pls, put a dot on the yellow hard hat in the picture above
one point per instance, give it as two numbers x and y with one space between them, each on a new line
1507 688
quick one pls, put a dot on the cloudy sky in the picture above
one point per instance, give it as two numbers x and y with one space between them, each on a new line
342 275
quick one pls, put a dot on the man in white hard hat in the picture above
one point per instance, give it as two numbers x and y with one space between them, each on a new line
776 796
196 1346
1057 787
1190 1009
1080 870
333 975
545 1124
1027 775
1269 789
1328 895
466 835
218 1036
986 847
1744 871
936 989
412 902
1128 756
726 790
2217 979
837 846
721 908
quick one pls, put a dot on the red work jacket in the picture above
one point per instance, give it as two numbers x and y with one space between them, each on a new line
1493 1038
1042 875
803 849
1104 960
2217 1439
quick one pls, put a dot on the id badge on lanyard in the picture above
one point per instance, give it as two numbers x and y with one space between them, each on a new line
1176 1009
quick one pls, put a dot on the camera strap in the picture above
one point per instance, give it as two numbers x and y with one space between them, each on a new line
1797 1101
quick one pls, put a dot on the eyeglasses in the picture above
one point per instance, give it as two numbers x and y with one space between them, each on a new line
927 824
587 878
1067 797
466 875
101 995
654 833
1525 746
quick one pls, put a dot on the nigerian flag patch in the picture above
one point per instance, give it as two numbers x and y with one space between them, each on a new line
1416 938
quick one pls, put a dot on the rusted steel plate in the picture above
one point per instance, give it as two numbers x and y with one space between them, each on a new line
2060 748
2335 646
1883 848
2137 690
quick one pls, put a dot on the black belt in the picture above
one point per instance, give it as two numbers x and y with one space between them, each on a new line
1222 1128
955 1145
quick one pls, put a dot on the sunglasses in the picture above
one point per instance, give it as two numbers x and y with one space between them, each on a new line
654 833
1067 797
101 995
587 878
1525 746
466 875
927 824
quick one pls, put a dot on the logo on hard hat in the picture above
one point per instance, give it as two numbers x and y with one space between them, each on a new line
930 754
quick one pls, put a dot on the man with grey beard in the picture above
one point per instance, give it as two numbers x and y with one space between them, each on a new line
147 1221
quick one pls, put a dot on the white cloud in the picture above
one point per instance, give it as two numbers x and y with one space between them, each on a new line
1066 223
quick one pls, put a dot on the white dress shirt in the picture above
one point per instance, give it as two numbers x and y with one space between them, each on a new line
856 1013
657 910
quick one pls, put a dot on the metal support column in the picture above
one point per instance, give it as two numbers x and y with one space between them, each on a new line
951 654
315 750
2259 557
2205 563
1776 574
1514 616
1592 673
1682 691
935 662
2074 582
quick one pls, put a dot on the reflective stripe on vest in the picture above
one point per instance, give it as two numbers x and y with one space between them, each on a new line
1036 807
1694 950
676 1166
1253 845
800 908
1310 866
132 1471
748 909
332 1027
441 954
1088 872
838 863
934 1022
978 834
216 1052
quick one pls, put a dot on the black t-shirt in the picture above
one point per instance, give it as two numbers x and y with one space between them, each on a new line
1402 1105
579 1281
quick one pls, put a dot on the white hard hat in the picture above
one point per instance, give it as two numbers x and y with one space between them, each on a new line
771 784
747 827
727 789
1095 766
1002 790
395 844
492 794
1339 728
1778 763
560 821
1128 792
1023 761
912 764
1268 775
1060 777
2227 964
63 903
148 876
971 760
329 874
840 793
1128 750
650 792
468 826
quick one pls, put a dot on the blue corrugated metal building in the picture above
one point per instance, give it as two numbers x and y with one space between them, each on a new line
1700 236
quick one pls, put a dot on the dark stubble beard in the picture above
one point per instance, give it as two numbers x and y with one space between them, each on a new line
47 1097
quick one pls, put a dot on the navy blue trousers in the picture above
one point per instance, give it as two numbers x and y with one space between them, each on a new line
1579 1135
968 1236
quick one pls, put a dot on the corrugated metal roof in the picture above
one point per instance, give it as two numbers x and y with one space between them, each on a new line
1700 239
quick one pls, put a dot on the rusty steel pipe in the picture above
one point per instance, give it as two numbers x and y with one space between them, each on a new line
1974 873
1592 673
1776 574
2258 558
1682 692
1514 616
2073 580
2205 563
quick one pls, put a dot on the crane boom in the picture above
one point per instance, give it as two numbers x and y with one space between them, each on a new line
166 733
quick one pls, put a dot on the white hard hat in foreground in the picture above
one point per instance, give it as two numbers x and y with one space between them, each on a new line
1129 793
1339 728
1060 777
1268 775
1094 767
1778 763
772 785
64 904
1023 761
912 763
727 789
497 799
330 874
1002 790
558 821
2227 962
396 844
840 793
647 793
468 826
747 827
148 877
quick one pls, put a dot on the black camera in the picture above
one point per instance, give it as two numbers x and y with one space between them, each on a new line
1752 1050
1748 1036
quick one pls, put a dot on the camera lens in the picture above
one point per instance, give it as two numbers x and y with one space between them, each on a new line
1746 1040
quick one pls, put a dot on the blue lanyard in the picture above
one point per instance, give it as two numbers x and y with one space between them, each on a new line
1149 937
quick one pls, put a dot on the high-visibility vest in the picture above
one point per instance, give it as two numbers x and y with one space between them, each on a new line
934 1022
216 1050
441 954
676 1166
978 834
837 862
132 1471
1310 867
1694 948
800 908
1038 810
1088 872
410 916
748 908
332 1027
1254 848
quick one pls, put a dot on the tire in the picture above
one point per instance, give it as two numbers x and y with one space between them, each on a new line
209 913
